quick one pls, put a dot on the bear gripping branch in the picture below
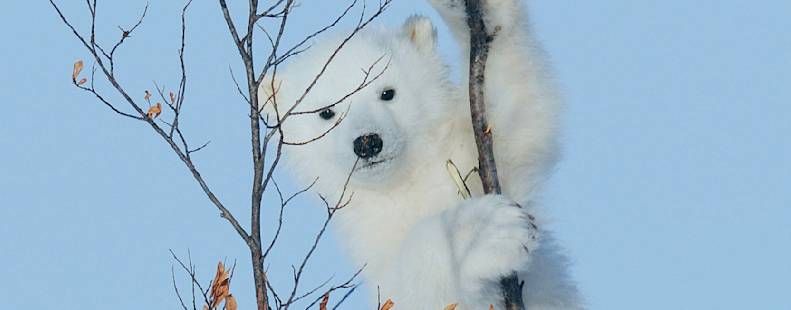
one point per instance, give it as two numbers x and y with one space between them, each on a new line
479 52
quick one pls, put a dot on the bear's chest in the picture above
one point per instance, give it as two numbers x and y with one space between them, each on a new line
377 223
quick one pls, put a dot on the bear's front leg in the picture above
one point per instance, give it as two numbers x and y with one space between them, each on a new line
459 255
521 103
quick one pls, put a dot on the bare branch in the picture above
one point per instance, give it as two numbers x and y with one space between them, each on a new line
365 82
239 88
346 285
345 296
296 48
92 90
360 25
480 40
142 116
231 27
330 213
169 128
283 204
176 288
267 12
193 277
199 148
323 134
124 34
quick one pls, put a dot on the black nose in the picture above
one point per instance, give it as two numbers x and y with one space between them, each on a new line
367 146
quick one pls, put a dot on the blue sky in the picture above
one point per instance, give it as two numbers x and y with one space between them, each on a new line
673 192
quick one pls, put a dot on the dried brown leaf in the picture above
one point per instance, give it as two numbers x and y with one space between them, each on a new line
220 286
387 305
451 306
230 303
82 81
172 98
324 301
77 69
154 111
491 307
148 95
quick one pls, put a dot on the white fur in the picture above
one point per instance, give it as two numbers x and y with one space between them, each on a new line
423 245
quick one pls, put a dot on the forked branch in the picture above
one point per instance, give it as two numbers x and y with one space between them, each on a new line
168 125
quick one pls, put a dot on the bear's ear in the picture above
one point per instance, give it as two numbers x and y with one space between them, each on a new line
421 32
268 95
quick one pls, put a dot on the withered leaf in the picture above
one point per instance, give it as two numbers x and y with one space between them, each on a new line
387 305
154 111
77 69
324 301
230 303
220 286
148 95
455 175
451 306
82 81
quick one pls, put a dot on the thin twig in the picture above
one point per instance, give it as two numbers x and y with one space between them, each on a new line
193 277
176 288
182 154
169 130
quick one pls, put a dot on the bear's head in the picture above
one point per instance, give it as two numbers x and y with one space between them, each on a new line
378 103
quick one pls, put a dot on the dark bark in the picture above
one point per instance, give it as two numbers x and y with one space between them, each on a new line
487 168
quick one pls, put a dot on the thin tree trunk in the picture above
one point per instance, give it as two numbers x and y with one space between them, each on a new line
487 168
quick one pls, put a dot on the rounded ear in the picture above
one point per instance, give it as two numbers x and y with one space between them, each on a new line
420 32
268 96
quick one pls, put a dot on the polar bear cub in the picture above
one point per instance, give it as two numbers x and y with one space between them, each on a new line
422 244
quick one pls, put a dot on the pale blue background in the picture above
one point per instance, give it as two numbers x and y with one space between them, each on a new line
673 192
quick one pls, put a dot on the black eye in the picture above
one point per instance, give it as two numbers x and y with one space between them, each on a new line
387 94
327 114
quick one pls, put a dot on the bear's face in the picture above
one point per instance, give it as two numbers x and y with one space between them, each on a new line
391 91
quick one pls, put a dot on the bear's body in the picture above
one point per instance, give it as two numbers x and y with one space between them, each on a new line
422 245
